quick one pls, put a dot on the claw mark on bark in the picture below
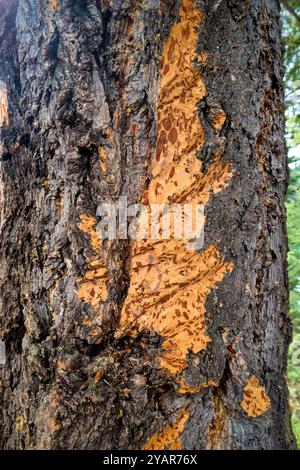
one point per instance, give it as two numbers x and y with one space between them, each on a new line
169 438
169 284
255 401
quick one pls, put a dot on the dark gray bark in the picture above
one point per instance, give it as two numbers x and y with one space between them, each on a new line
84 75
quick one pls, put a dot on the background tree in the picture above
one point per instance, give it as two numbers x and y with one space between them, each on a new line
291 26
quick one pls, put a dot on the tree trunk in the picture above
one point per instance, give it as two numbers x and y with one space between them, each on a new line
124 344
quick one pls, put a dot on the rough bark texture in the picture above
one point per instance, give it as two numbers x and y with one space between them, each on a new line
91 361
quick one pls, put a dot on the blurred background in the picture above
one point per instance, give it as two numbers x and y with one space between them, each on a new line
291 31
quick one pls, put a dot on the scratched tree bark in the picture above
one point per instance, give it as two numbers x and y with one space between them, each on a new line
133 344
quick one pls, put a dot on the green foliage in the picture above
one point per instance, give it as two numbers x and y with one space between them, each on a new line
291 35
293 225
291 30
293 213
294 384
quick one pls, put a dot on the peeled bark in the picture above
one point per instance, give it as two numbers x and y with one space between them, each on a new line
124 344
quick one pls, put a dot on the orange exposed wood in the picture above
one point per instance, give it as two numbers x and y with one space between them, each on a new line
255 401
168 283
219 120
169 438
169 286
88 225
184 388
93 288
53 5
3 105
103 159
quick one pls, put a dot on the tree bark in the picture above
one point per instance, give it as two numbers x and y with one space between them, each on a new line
157 101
